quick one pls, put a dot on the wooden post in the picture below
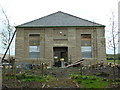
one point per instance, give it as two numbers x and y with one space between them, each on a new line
110 77
12 60
3 74
70 59
15 71
33 65
42 67
8 73
113 72
9 45
81 70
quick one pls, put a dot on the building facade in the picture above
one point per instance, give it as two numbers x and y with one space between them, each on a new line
60 36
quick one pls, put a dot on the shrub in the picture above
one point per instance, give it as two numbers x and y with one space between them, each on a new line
103 74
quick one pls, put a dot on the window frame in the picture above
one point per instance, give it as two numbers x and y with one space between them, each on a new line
86 45
33 46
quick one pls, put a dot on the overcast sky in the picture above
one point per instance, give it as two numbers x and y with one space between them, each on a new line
21 11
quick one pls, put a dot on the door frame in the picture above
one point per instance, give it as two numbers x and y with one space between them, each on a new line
65 48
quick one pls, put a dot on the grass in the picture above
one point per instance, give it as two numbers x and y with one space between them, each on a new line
90 81
112 61
35 78
29 78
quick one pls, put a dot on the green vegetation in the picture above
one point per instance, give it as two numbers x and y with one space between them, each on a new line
111 56
90 81
112 61
28 78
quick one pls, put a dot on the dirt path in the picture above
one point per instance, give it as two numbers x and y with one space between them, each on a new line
61 80
61 83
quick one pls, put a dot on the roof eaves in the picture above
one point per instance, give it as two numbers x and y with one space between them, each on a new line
54 26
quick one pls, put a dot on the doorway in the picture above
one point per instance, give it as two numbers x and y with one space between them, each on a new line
60 54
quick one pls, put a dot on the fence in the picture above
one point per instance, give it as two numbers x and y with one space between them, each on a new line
13 69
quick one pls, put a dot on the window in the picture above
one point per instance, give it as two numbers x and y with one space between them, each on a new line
86 46
86 51
34 46
85 40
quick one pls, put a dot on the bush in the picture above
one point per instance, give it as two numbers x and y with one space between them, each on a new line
103 74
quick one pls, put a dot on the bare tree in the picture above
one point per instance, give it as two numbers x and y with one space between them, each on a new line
113 41
7 32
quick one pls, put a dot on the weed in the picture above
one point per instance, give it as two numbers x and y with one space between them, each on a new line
89 81
28 78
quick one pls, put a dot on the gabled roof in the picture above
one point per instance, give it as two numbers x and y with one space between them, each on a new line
60 19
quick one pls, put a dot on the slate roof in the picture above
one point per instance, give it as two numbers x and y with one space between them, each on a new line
60 19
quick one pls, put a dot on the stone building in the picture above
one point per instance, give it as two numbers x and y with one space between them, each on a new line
60 36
